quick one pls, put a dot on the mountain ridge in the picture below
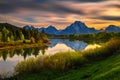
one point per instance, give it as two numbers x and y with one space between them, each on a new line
77 27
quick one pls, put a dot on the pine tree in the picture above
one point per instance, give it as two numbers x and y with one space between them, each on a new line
5 33
21 36
1 36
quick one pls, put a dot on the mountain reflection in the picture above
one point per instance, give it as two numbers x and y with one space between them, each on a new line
75 45
22 52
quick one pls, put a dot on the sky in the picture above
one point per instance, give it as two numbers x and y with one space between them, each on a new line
60 13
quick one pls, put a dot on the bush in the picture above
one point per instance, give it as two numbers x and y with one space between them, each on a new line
108 49
32 40
63 61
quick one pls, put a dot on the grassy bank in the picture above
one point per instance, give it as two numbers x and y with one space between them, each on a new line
107 69
90 64
19 45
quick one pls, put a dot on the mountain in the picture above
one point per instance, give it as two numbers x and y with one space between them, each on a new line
112 28
29 27
50 30
40 29
78 28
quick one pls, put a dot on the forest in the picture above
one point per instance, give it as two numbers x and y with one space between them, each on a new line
10 33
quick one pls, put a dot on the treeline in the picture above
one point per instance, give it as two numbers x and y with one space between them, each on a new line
9 33
97 36
102 36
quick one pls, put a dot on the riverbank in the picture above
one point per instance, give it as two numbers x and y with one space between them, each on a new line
19 45
66 65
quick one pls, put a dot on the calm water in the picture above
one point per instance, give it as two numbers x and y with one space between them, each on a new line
10 58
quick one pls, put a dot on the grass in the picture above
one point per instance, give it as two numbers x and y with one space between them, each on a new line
108 69
92 64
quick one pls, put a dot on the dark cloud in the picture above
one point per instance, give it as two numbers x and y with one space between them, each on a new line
64 9
39 5
7 8
110 18
115 5
87 0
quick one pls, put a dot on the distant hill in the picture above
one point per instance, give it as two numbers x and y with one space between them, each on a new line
29 27
112 28
50 30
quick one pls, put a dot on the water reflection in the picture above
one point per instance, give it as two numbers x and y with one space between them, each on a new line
7 67
75 45
10 58
57 48
25 52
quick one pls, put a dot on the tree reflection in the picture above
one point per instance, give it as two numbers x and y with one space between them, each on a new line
25 52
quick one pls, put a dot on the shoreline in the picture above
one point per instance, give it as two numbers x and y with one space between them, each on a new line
23 45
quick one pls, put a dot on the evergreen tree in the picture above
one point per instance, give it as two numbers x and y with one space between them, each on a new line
5 33
21 36
11 36
1 36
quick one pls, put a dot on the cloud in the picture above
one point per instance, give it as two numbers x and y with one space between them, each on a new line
114 18
87 0
15 6
115 5
7 8
30 19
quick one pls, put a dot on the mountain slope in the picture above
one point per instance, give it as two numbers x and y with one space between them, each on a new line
78 28
29 27
50 30
112 28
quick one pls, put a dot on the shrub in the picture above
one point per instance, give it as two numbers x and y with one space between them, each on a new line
65 60
32 40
